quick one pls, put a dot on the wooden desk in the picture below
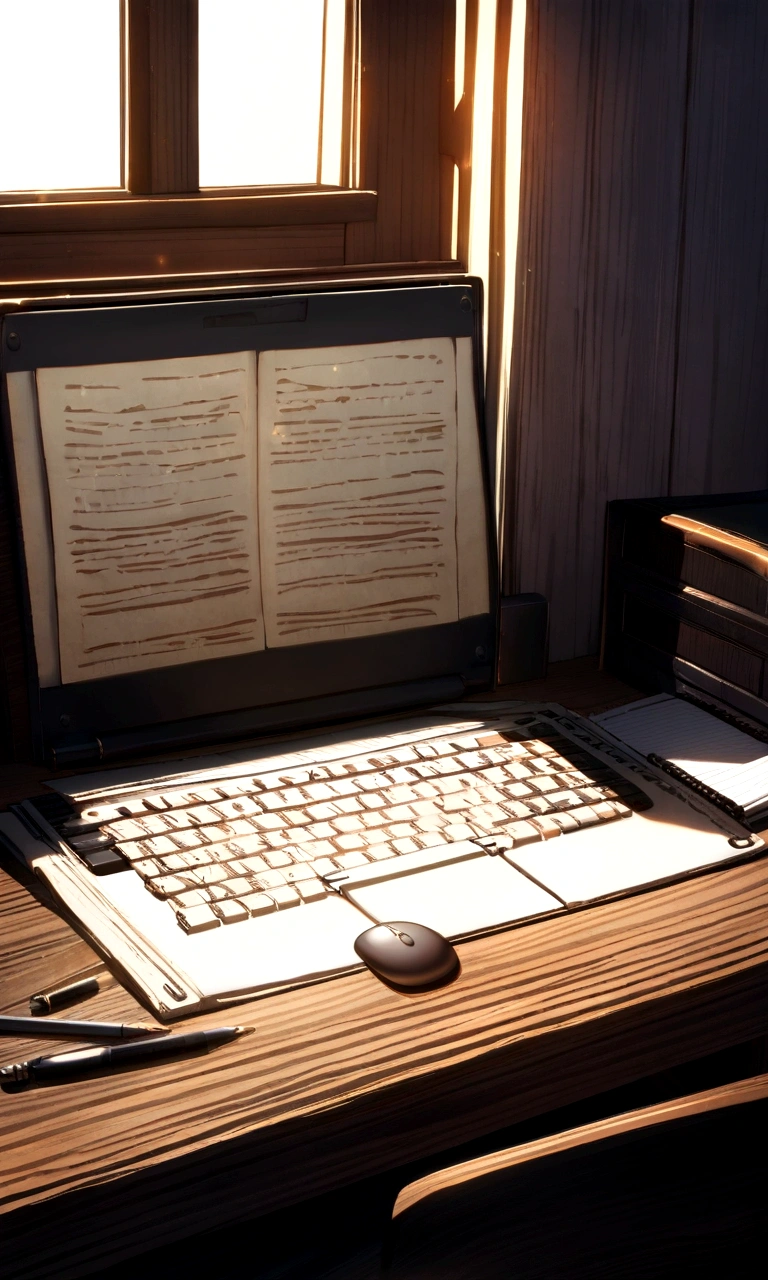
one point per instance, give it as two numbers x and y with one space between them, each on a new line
341 1079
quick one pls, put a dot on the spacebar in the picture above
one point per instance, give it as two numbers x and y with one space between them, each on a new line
407 864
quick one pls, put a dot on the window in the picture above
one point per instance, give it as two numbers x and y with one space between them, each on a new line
168 96
271 88
368 102
60 68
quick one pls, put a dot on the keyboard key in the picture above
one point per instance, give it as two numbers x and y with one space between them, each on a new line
298 872
191 898
400 795
285 897
565 822
547 826
431 822
174 862
311 890
348 804
230 911
543 782
346 861
293 798
459 831
320 831
523 833
538 804
318 849
585 816
319 791
275 840
126 829
197 919
399 813
407 845
210 874
590 794
375 837
203 814
270 879
267 821
255 864
247 844
344 787
259 904
348 843
516 790
236 886
167 886
517 809
239 808
276 858
323 866
461 800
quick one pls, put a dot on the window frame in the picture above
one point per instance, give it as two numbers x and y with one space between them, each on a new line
405 141
159 145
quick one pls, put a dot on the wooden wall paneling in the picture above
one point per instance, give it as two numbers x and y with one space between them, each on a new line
594 327
721 409
81 255
401 73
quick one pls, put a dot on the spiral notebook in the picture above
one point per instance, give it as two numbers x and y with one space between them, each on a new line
718 755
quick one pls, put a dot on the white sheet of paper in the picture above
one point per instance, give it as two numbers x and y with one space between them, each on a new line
35 523
357 489
717 753
152 477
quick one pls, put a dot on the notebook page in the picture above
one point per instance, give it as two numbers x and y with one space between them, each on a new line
709 749
357 489
152 477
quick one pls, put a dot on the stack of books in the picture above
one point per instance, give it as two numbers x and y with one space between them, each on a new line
686 598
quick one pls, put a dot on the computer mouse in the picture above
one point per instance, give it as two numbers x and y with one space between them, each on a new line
406 954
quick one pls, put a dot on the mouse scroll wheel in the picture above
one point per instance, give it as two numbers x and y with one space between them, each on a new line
404 937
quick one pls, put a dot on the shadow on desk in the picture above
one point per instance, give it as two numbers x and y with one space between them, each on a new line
339 1236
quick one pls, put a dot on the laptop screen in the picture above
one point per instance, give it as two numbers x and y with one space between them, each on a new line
240 503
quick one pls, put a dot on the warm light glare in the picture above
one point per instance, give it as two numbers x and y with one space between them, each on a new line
60 78
333 93
261 83
461 37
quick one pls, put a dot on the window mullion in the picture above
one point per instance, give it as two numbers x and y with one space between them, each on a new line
162 119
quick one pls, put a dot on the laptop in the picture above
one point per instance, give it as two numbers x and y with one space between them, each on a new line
245 517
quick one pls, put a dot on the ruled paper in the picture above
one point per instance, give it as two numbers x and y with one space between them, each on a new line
152 477
357 489
731 762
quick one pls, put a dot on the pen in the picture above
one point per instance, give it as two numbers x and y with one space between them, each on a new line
78 1030
82 1063
47 1001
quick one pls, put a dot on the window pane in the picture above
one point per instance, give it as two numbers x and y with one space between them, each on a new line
60 73
261 88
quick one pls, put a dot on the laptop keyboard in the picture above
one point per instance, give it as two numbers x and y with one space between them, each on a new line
236 848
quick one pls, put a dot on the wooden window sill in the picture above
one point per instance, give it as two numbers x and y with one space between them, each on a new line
134 213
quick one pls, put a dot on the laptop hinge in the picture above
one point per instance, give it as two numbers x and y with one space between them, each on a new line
75 751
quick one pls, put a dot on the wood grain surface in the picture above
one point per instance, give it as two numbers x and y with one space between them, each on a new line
642 295
211 209
401 65
88 254
670 1190
603 123
348 1078
720 444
